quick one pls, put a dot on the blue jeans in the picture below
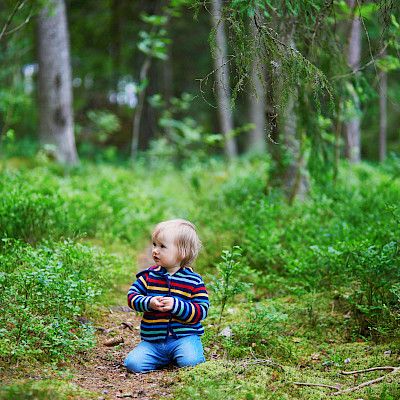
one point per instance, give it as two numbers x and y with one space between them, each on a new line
149 356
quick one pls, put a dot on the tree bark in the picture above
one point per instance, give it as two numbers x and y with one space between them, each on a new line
115 42
295 180
382 115
352 127
55 86
222 80
144 71
257 137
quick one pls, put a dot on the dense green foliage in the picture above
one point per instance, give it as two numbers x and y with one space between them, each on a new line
342 242
44 292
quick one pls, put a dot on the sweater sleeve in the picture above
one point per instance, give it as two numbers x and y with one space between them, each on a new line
137 295
195 310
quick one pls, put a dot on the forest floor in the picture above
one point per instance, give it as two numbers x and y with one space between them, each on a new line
102 371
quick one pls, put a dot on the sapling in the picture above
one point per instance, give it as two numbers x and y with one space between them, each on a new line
229 280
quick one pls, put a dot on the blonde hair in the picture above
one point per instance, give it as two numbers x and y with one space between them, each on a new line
185 238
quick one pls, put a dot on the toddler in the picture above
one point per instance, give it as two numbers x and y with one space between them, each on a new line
174 301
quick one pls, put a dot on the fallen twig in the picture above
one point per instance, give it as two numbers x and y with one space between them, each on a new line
394 370
316 384
128 325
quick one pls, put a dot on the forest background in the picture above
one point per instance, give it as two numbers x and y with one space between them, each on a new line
271 124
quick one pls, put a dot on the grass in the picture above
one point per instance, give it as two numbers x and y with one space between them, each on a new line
44 389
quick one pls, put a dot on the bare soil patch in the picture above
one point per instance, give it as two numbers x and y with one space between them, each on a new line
102 370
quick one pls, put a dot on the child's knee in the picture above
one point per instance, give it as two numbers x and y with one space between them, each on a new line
133 364
190 361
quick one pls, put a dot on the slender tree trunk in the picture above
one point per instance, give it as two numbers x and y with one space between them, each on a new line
257 103
144 71
382 115
115 42
55 86
168 70
222 80
295 181
352 127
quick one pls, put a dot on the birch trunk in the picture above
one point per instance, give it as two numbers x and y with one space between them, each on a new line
352 127
55 86
382 115
257 102
222 80
137 116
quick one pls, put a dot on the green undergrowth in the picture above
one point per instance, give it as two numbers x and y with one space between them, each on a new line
44 390
243 380
321 277
46 295
261 348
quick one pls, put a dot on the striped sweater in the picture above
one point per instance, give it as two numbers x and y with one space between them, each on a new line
190 302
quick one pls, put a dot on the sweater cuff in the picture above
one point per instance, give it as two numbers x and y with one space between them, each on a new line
146 304
176 306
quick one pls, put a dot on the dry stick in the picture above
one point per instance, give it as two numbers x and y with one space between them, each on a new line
394 370
316 384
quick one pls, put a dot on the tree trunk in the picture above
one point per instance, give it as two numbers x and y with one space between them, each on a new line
144 71
257 103
222 80
168 70
352 127
295 181
55 86
115 42
382 115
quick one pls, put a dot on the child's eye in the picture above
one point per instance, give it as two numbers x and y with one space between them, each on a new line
154 245
163 247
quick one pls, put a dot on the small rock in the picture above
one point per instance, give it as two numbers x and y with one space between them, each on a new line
226 332
388 353
315 356
124 395
105 391
347 360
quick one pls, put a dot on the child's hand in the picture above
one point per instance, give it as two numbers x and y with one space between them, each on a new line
156 304
160 303
168 303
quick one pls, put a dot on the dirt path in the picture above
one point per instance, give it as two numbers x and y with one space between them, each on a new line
102 371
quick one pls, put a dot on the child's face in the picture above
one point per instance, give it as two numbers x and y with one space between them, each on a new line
165 252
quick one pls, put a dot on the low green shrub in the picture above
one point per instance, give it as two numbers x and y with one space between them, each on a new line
44 292
94 201
259 333
230 279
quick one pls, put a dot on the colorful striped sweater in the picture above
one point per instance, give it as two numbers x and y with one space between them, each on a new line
190 302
